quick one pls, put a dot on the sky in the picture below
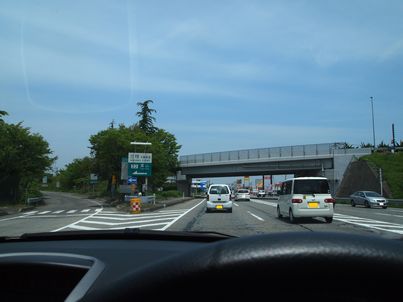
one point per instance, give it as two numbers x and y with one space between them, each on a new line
223 75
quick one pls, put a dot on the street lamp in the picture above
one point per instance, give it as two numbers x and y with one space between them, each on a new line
373 122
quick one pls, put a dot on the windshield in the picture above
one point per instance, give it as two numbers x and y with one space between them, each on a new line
148 114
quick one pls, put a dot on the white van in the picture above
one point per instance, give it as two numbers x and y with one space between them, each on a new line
219 198
305 197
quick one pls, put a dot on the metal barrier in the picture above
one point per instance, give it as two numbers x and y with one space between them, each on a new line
33 201
144 199
271 153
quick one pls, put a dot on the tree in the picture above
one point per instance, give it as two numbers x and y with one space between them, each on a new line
110 145
382 145
347 146
77 173
146 122
2 113
24 158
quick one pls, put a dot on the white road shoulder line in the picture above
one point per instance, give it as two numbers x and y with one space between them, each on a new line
179 217
257 217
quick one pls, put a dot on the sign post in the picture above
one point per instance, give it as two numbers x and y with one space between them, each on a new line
140 164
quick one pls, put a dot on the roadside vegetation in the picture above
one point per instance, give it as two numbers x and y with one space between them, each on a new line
109 146
392 169
24 158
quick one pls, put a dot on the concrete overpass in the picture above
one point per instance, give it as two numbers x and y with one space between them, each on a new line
329 160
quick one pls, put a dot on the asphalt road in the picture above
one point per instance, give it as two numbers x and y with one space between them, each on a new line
69 212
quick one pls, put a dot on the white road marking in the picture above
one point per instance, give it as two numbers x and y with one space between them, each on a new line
268 203
74 223
44 212
126 222
85 211
135 217
71 211
30 213
257 217
235 204
384 214
371 223
58 212
179 217
12 218
80 227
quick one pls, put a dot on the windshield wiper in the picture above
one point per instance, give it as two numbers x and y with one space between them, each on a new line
128 233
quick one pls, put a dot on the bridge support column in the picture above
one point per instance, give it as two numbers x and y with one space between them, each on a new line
183 183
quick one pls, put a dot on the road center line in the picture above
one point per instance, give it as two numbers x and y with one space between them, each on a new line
179 217
257 217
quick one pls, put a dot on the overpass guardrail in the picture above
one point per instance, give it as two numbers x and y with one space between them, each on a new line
271 153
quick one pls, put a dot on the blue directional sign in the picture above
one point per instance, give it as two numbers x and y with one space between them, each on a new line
132 180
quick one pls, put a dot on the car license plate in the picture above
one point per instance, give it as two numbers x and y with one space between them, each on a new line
219 207
381 203
313 205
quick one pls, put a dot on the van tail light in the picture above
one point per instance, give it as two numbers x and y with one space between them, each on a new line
296 200
330 200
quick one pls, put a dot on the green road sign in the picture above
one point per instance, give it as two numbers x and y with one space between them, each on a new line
139 169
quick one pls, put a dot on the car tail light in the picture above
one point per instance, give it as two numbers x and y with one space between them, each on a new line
330 200
296 200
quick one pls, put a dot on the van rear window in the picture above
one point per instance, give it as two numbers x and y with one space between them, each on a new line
311 186
218 190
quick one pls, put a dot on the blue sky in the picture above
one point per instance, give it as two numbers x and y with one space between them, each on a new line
223 75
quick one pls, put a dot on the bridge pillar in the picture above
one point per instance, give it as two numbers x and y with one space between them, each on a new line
183 183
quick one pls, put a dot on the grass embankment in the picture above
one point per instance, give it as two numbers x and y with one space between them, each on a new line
392 170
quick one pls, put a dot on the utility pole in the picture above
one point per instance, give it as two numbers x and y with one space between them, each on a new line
373 121
393 138
380 180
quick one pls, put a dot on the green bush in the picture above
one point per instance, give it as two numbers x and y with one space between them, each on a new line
169 194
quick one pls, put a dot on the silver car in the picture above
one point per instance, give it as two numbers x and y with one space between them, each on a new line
368 199
242 194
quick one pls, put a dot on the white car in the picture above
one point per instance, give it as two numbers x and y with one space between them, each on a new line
261 193
242 194
219 198
305 197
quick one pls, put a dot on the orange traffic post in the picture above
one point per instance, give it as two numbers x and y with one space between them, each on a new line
135 205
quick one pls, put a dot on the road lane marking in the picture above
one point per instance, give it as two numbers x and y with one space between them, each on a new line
370 223
30 213
135 217
235 204
74 223
71 211
44 212
80 227
58 212
179 217
268 203
85 211
12 218
257 217
124 223
384 214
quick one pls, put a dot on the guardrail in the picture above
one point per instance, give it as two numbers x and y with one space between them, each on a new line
33 201
144 199
270 153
